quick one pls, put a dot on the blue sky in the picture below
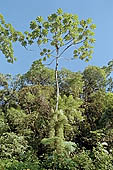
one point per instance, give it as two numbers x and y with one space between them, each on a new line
20 13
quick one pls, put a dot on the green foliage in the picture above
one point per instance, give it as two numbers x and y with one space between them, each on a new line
71 108
84 161
107 117
3 80
14 145
108 69
58 162
8 35
94 79
8 164
70 83
103 160
16 119
94 94
39 74
61 31
3 125
30 128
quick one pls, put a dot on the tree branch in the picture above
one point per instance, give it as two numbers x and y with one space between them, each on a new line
80 41
70 46
65 50
52 51
68 42
51 62
28 49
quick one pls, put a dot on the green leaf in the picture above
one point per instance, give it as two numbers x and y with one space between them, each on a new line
39 19
52 30
30 42
75 51
83 56
44 40
75 17
89 21
87 60
52 43
44 32
41 53
39 42
53 16
80 30
75 56
59 11
44 59
46 25
80 37
49 50
26 32
91 33
24 43
48 55
90 57
44 50
2 19
92 40
33 25
93 26
83 23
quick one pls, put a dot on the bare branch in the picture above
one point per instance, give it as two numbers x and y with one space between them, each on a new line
80 42
51 62
53 51
28 49
70 46
68 42
65 50
39 47
66 35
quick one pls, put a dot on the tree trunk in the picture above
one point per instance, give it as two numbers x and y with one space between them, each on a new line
57 84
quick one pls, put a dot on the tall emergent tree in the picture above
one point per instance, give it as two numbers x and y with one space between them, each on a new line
55 36
62 31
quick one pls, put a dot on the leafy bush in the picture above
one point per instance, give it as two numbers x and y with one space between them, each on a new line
58 162
9 164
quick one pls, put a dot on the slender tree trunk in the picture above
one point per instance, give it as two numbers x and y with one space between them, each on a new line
59 126
56 78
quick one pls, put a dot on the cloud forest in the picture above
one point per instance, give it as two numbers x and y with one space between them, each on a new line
53 119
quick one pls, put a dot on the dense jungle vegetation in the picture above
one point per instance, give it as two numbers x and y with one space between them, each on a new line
54 119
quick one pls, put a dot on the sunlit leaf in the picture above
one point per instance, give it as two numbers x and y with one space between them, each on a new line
39 19
59 11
